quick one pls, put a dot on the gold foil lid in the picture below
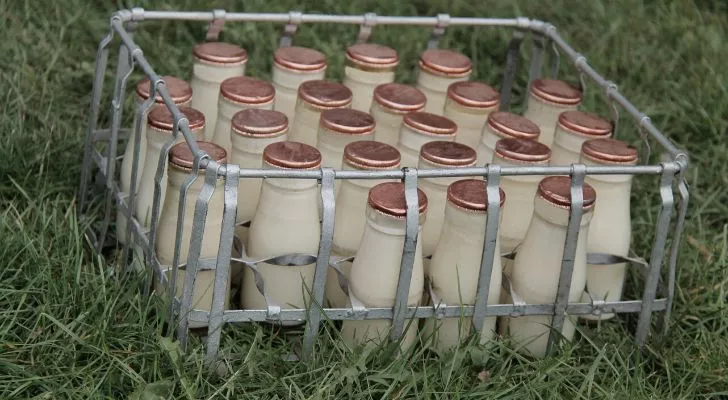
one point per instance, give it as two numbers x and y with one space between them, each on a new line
524 151
445 63
609 151
368 154
292 155
585 124
259 123
371 55
400 98
179 90
300 59
161 118
557 190
508 124
220 53
473 94
181 156
389 198
247 90
556 91
448 154
327 94
348 121
470 194
430 124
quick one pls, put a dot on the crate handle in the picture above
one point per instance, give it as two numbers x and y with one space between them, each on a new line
294 19
443 20
215 27
365 29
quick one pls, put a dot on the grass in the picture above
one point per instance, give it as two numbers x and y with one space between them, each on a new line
69 330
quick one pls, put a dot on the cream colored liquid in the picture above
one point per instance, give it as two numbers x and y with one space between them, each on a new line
225 111
486 147
470 122
435 88
411 141
362 85
205 83
286 83
388 124
567 147
545 115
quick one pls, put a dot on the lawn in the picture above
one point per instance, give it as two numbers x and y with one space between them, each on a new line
70 330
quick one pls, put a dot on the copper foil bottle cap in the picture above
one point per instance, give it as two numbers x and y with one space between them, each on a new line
556 91
259 123
585 124
473 94
368 154
370 55
609 151
327 94
448 154
388 198
523 151
180 90
507 124
161 118
247 90
292 155
557 191
347 121
430 124
400 98
445 63
220 53
299 59
181 156
470 194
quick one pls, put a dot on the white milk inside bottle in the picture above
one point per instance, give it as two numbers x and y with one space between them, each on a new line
500 125
455 266
391 102
213 63
159 131
180 166
351 203
291 67
535 274
181 94
572 130
368 65
547 99
237 94
285 222
468 104
438 68
338 128
419 128
610 230
315 97
375 271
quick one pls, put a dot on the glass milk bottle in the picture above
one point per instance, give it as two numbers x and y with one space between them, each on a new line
252 130
291 67
504 124
547 99
237 94
159 131
419 128
438 69
180 166
391 102
439 154
339 127
285 222
611 227
535 274
468 104
181 94
368 65
351 203
213 63
455 266
315 97
375 271
572 130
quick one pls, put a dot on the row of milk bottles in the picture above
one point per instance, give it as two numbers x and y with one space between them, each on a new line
446 121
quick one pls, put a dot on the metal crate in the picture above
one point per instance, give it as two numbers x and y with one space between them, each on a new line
100 154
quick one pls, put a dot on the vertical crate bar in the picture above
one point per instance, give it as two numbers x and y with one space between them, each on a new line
684 193
509 74
538 47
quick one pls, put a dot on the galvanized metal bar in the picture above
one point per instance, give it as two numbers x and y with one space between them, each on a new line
366 27
684 193
322 263
216 25
443 20
412 226
567 263
294 19
509 73
614 111
492 191
538 49
555 55
658 251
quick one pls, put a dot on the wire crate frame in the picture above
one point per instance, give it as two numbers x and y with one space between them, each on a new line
542 34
